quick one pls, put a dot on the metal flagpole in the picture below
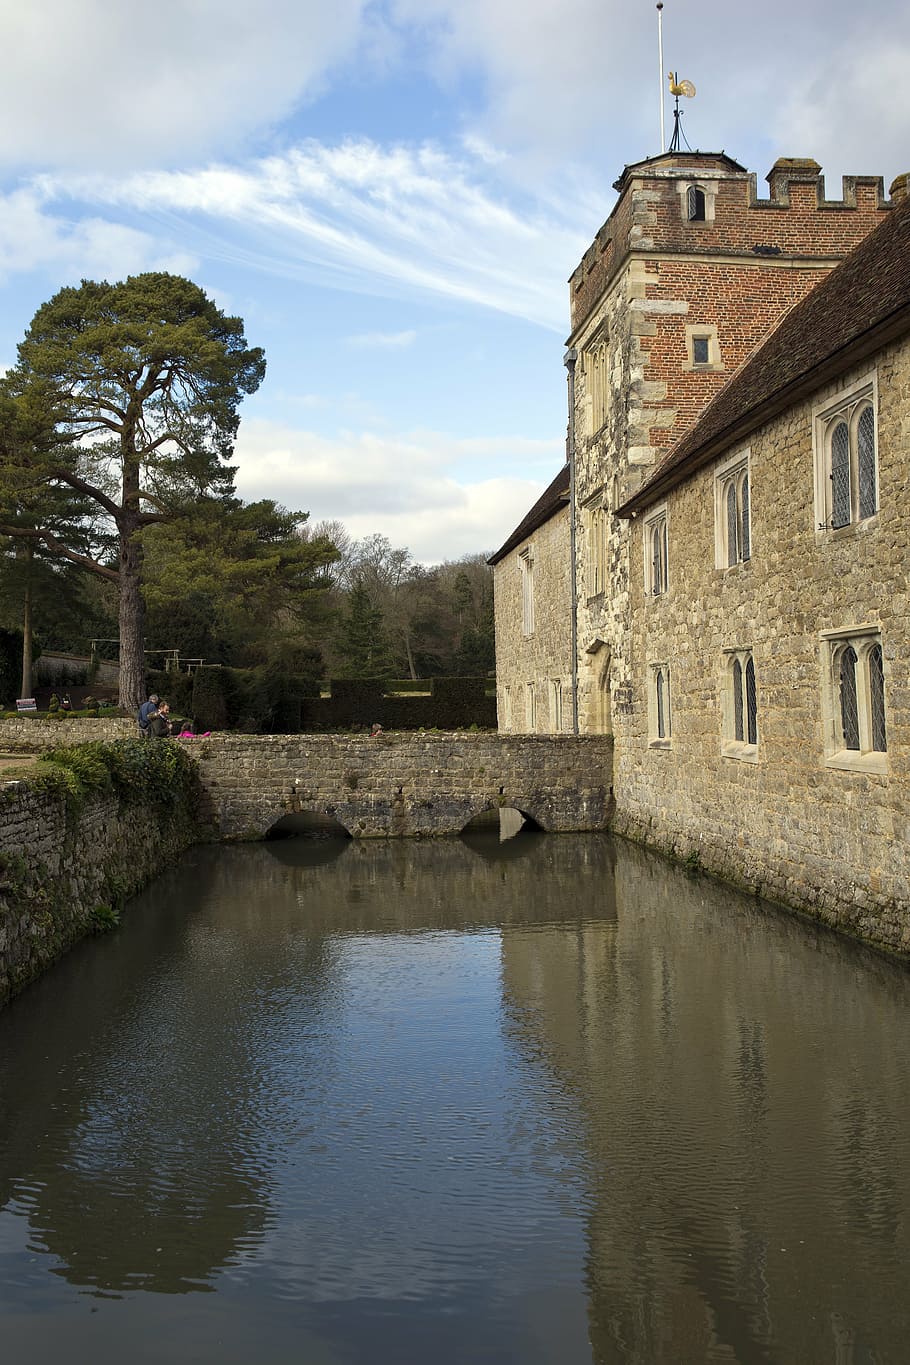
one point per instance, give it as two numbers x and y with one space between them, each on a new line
660 53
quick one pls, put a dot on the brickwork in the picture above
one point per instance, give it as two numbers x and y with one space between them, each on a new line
787 822
542 657
403 784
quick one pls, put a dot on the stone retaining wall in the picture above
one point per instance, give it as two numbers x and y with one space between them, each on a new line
404 784
25 735
58 869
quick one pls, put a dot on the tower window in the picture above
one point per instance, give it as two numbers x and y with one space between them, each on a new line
695 204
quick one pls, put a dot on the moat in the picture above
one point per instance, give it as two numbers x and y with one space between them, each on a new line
546 1101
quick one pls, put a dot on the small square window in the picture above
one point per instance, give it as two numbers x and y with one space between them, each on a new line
701 350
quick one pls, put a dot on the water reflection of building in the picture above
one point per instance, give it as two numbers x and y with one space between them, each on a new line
744 1092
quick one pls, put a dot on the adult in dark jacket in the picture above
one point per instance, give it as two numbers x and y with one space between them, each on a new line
145 714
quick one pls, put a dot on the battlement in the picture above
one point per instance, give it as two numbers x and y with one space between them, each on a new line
706 204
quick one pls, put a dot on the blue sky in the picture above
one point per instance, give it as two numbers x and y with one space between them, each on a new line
392 194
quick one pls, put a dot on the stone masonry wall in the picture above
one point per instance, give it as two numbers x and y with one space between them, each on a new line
58 868
23 734
403 784
545 656
650 281
783 819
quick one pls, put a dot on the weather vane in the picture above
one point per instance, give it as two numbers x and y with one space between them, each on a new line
677 88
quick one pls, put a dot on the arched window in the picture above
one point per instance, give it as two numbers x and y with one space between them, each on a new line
849 714
751 704
659 722
738 730
740 724
695 204
847 482
855 723
865 443
877 699
656 547
733 530
840 474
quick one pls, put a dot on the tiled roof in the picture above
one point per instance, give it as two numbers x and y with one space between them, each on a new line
859 307
546 506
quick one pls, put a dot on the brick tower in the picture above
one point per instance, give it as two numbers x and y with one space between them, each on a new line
688 274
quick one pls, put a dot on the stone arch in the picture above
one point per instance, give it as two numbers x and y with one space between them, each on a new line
301 823
487 816
599 710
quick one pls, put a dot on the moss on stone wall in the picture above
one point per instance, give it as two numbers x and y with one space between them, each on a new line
86 828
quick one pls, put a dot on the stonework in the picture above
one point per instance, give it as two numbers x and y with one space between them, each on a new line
31 735
57 870
539 659
404 784
666 308
786 816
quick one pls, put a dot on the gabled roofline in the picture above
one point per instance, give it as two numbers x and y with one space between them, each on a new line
552 500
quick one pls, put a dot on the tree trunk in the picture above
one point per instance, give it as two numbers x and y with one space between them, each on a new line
132 621
27 626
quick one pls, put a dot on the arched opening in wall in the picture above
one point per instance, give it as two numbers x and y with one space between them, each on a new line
307 824
500 825
307 839
599 710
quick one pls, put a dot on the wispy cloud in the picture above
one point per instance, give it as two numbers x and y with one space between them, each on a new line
397 220
32 237
390 341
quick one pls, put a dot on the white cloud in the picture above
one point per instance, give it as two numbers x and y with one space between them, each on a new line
89 83
31 238
578 80
383 340
395 220
411 488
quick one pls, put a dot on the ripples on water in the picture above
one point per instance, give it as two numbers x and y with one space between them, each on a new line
543 1101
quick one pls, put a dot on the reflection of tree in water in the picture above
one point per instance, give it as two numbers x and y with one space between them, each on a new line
131 1088
715 1050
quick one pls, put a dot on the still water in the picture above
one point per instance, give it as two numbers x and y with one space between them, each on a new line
325 1103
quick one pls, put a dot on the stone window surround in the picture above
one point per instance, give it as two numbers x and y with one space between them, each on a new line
556 709
709 190
655 739
595 355
727 470
708 330
823 415
862 638
731 747
595 514
531 706
526 572
656 517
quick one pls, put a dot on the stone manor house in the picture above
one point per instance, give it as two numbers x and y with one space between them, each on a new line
718 575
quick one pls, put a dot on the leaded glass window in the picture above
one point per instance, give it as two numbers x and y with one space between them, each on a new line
732 529
847 439
849 711
877 699
695 204
751 703
840 475
745 537
733 511
865 439
738 730
661 704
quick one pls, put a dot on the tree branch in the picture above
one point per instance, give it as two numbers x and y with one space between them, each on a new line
80 485
55 544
